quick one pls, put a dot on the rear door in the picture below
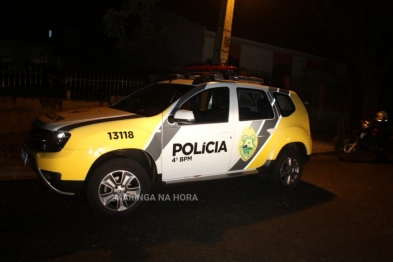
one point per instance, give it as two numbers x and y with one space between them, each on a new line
256 128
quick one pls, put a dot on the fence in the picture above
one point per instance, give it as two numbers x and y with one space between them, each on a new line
14 76
38 81
80 86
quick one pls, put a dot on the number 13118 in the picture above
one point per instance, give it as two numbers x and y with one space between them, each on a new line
121 135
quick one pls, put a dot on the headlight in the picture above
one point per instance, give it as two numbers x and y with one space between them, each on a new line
55 142
44 140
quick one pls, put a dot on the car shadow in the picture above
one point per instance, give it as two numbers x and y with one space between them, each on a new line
55 226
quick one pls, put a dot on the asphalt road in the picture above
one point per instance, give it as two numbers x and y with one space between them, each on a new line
340 212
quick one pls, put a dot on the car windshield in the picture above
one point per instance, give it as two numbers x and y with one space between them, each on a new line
153 99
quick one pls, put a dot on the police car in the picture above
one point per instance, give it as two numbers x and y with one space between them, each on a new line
191 127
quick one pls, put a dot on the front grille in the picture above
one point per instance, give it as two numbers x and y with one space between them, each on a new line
37 136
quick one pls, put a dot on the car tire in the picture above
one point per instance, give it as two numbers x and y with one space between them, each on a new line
287 170
118 188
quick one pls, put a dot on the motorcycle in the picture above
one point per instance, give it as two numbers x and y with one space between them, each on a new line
370 136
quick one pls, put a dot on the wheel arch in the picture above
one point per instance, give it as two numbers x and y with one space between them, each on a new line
140 156
298 146
296 138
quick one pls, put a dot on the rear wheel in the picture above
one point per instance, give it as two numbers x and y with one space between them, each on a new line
348 148
117 188
287 170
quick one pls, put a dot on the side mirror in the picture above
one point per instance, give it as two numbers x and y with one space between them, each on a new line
183 116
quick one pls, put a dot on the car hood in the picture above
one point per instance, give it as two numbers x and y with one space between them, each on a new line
68 120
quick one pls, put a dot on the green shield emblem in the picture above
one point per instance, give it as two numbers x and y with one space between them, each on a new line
247 144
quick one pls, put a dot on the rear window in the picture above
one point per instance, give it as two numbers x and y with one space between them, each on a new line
285 104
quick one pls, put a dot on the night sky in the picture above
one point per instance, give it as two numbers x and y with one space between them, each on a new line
288 24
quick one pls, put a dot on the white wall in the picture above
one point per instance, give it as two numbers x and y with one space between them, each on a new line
256 59
208 46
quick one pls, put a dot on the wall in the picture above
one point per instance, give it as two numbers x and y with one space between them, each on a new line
256 58
18 113
208 46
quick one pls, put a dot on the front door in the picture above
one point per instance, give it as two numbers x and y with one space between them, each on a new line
202 148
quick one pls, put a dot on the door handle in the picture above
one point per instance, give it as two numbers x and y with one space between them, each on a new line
226 135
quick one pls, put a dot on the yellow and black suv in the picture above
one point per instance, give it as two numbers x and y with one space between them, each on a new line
186 128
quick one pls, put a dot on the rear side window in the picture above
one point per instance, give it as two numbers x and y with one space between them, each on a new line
253 105
285 104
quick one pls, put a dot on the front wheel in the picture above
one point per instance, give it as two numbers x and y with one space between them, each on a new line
348 148
287 170
118 187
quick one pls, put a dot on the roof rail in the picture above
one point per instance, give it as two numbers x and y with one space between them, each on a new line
204 78
226 73
250 79
192 69
203 74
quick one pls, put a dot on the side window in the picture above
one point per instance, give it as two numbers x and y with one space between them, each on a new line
285 104
209 106
253 104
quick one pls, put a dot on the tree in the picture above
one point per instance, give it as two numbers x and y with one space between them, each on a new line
361 30
134 30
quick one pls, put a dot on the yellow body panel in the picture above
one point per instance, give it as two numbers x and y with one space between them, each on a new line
291 129
96 136
60 162
90 142
265 152
294 128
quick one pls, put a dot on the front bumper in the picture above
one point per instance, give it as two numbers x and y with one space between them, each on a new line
52 179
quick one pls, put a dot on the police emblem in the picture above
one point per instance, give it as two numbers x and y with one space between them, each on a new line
247 144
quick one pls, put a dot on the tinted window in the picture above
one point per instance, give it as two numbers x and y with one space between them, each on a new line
253 104
285 104
211 105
